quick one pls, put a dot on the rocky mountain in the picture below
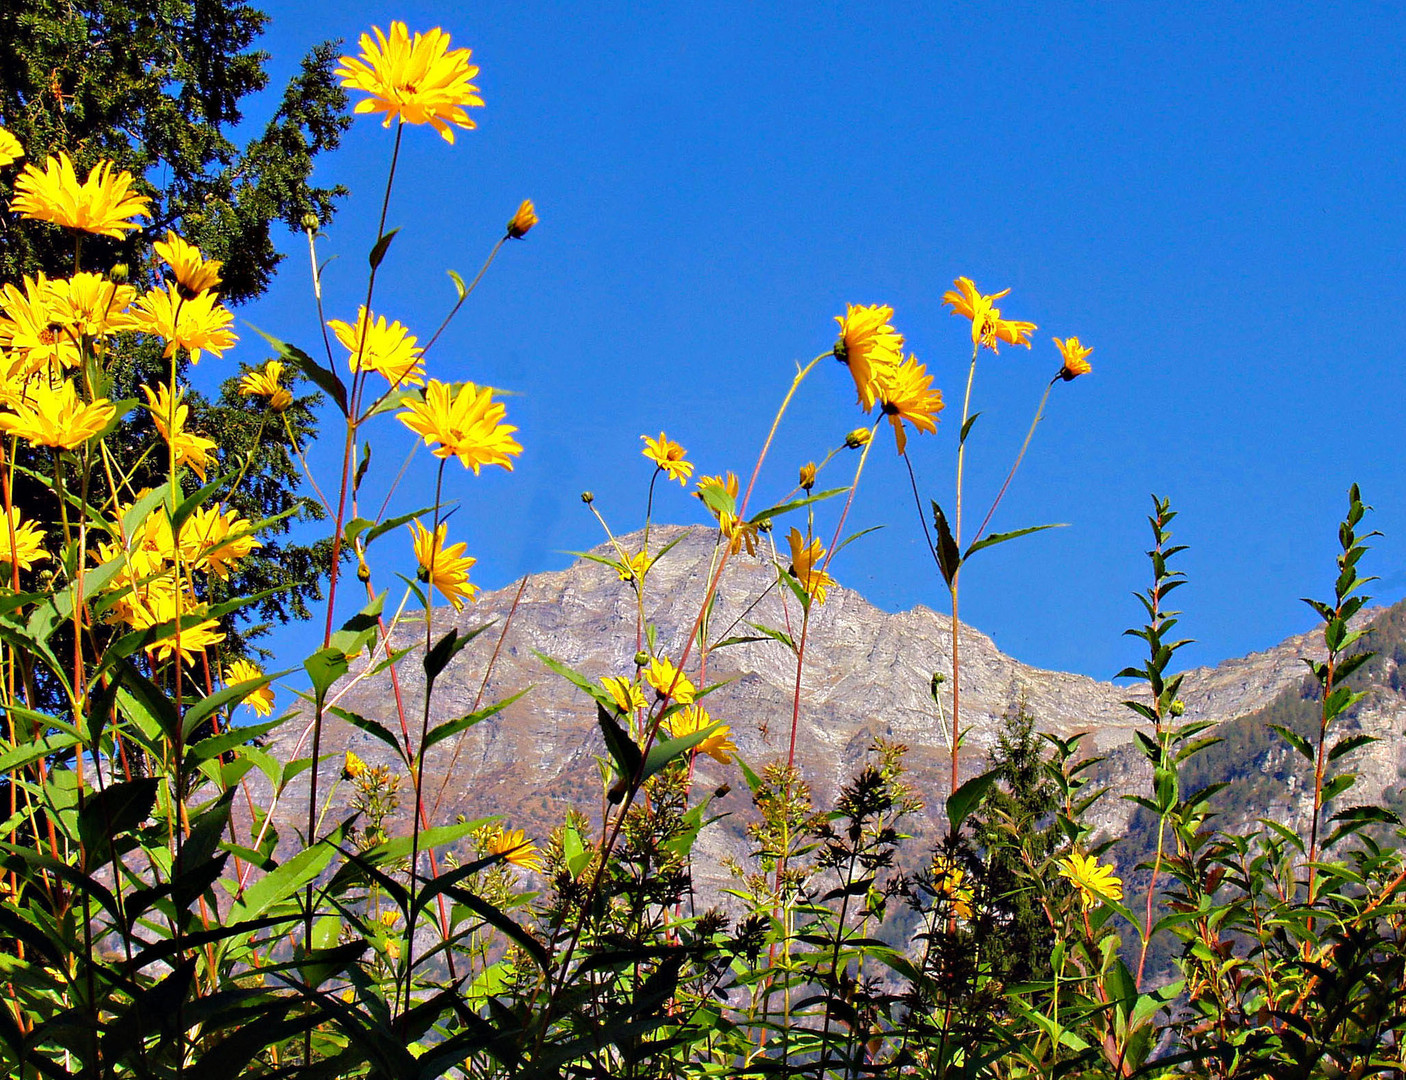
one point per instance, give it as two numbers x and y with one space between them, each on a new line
867 674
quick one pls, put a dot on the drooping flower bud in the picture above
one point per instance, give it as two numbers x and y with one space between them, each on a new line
523 220
808 475
858 437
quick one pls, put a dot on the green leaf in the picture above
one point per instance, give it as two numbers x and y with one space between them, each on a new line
286 879
453 727
949 556
1297 741
1349 744
372 727
208 706
320 376
360 630
324 668
993 539
963 801
966 428
386 526
116 809
379 251
622 749
459 289
795 504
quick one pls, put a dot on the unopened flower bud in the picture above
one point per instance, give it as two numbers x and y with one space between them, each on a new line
764 525
858 437
937 680
641 658
588 497
310 222
523 220
1178 707
808 475
363 572
119 273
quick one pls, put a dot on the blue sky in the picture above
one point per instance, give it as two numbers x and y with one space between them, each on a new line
1209 195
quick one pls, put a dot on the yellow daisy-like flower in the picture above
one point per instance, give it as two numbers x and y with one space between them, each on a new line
388 349
738 533
447 569
867 346
159 607
1094 881
56 416
265 383
695 718
515 848
389 918
635 567
1075 358
352 766
467 425
416 80
906 393
170 418
34 329
88 305
193 272
668 456
199 324
216 540
668 681
523 220
948 881
806 480
10 148
260 700
627 695
104 203
806 563
987 325
27 547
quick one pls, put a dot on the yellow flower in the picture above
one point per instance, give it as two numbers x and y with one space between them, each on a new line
28 544
10 148
264 383
447 569
807 478
159 606
393 948
33 328
739 533
635 567
523 220
806 563
515 848
102 204
467 425
947 880
1094 881
987 325
669 681
389 918
388 350
860 436
352 766
200 324
55 416
192 271
695 718
867 346
415 81
668 456
88 305
627 695
170 419
1075 358
906 393
214 540
260 700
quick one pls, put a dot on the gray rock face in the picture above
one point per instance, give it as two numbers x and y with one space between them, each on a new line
867 673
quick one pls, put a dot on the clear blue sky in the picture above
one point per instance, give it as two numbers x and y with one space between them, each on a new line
1210 195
